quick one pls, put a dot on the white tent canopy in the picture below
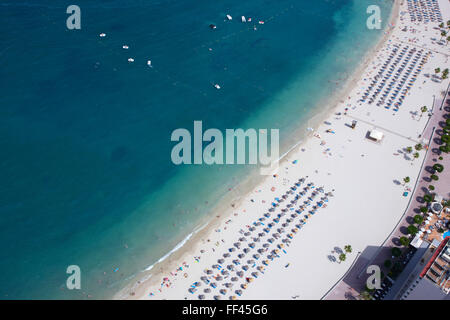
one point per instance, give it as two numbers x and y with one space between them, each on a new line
376 135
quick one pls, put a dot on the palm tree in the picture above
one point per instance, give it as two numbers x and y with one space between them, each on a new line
423 109
406 180
443 34
448 39
437 70
441 25
416 155
342 257
348 248
418 147
409 149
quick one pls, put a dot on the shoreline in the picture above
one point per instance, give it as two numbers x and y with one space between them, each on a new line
193 241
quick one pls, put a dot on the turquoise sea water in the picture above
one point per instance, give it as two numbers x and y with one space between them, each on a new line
85 169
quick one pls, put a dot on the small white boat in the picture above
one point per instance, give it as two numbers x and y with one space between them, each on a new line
149 63
125 47
130 60
229 17
102 35
243 19
217 86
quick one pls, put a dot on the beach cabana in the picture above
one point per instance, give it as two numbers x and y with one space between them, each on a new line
376 135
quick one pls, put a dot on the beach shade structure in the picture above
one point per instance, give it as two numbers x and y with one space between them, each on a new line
256 256
231 249
255 274
215 266
203 278
216 297
240 274
376 135
209 272
228 285
267 215
221 261
247 234
207 290
245 268
246 250
236 262
238 292
192 290
237 245
230 267
234 279
260 268
197 284
201 297
270 240
266 245
219 278
223 291
260 250
261 234
244 286
285 224
226 255
213 284
251 245
233 297
242 239
252 229
241 255
251 261
271 210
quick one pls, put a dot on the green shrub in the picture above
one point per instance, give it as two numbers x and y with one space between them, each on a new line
388 263
431 187
438 167
404 241
423 209
396 252
412 229
418 219
434 177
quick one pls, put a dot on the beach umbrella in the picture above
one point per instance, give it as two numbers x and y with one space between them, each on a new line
219 278
216 297
256 256
192 290
240 274
241 255
203 278
266 245
226 255
237 245
228 285
221 261
213 284
234 279
247 234
245 268
242 239
255 274
201 297
251 261
231 249
233 298
230 267
209 272
244 286
246 250
238 292
207 290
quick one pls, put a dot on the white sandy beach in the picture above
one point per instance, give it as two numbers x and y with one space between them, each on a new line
365 178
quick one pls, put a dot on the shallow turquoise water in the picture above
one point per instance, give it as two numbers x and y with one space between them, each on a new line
85 136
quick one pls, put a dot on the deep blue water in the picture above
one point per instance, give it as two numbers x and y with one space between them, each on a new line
85 169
